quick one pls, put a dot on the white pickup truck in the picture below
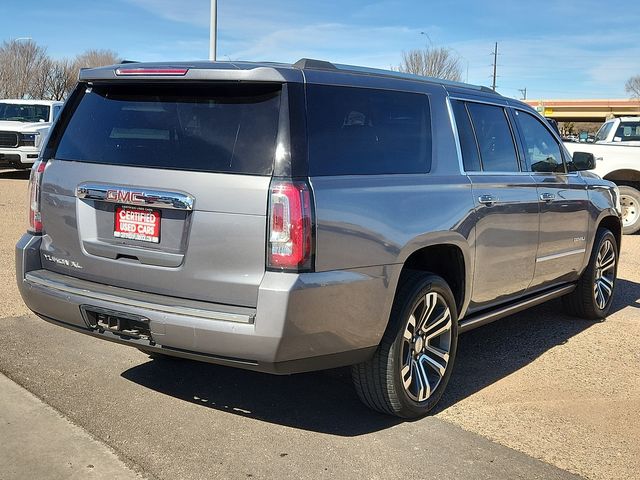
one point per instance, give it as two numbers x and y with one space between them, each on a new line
24 124
617 153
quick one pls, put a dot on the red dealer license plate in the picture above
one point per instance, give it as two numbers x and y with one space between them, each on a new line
135 223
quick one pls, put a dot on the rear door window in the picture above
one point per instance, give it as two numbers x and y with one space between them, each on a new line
213 128
360 131
495 141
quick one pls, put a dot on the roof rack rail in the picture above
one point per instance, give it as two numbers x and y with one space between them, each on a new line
316 64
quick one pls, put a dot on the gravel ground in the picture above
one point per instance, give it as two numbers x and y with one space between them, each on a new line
555 388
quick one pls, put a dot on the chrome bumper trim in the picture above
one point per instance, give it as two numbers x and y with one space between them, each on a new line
61 286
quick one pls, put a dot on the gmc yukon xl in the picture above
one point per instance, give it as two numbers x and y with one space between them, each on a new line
286 218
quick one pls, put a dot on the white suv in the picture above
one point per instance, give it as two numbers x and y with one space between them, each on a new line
23 126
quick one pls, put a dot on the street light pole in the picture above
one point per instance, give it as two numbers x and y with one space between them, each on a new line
213 30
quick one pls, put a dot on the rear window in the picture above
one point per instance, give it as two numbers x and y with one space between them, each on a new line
358 131
628 131
222 128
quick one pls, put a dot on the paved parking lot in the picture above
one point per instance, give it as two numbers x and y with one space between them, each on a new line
536 395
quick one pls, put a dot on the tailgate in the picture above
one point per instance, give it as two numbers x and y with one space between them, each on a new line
163 190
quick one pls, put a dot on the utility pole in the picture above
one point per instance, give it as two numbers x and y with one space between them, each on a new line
213 30
523 91
495 66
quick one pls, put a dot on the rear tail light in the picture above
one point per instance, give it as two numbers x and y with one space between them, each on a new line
289 243
35 182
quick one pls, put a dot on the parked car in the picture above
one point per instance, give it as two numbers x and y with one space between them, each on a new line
287 218
24 124
617 153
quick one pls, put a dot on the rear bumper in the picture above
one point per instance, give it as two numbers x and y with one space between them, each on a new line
302 322
21 158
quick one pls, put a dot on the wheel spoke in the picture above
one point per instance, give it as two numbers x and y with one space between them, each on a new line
436 366
441 325
411 328
608 263
407 377
430 300
440 353
424 388
605 289
600 296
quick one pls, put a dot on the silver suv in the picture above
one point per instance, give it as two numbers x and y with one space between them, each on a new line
286 218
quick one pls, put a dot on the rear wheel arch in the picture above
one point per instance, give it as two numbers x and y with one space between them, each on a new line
446 260
624 177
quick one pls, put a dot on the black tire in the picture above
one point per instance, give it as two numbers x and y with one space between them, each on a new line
583 301
379 382
630 200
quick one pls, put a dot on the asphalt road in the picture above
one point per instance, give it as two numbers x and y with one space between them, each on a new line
537 395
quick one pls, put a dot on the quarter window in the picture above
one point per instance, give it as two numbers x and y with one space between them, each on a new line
542 152
360 131
495 141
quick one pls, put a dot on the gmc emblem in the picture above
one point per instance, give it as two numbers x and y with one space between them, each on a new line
124 196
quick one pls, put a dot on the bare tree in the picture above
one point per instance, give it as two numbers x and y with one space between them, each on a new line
62 79
26 71
22 64
633 86
437 62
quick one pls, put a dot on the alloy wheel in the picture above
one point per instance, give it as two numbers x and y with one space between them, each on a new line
426 346
605 274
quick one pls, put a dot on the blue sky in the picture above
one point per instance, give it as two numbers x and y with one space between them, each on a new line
556 49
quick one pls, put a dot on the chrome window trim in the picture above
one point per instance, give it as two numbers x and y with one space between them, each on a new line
143 196
456 136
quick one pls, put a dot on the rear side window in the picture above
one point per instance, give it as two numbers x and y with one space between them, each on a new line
495 142
468 145
213 128
358 131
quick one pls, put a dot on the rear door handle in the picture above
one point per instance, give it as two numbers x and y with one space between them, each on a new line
547 197
487 199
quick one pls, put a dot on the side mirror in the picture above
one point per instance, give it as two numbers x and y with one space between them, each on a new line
583 161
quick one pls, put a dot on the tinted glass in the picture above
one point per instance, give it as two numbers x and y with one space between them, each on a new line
20 112
497 151
210 128
355 131
603 132
468 145
541 149
628 131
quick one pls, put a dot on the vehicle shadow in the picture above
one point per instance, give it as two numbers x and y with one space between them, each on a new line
15 174
326 401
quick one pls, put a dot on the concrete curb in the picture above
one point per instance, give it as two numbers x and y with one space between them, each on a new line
37 442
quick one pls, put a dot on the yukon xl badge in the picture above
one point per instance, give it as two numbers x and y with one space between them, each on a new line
62 261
